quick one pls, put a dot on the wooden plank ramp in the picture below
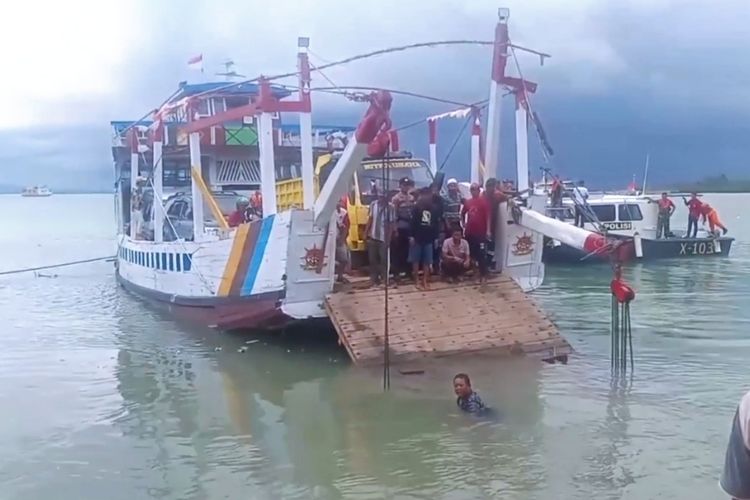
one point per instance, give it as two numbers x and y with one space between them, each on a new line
449 319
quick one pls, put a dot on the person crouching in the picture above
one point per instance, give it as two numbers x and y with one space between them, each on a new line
456 258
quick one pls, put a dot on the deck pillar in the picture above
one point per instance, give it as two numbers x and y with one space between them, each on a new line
133 189
157 208
267 165
197 194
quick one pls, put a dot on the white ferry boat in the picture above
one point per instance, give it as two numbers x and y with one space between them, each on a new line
36 192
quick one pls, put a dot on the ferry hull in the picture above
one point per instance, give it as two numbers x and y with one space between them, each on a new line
670 248
224 313
263 274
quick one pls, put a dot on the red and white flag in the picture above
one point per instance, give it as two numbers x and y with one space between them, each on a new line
196 62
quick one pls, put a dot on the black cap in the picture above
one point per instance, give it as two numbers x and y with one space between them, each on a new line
405 181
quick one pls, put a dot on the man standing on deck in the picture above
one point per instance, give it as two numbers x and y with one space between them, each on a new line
452 203
735 478
379 224
424 232
666 209
580 195
403 203
477 215
556 198
438 204
694 212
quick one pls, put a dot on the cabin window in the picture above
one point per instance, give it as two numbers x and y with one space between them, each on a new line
217 105
157 262
178 262
164 261
201 107
171 262
176 172
186 262
604 213
629 211
177 210
235 101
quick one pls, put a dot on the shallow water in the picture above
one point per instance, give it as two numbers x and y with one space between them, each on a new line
103 396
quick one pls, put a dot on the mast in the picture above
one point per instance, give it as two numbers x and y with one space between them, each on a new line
432 125
305 124
265 146
476 130
522 141
499 59
645 173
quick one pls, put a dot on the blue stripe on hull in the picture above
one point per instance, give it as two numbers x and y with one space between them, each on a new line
258 252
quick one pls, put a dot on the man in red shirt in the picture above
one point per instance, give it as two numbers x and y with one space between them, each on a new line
694 212
239 216
476 215
666 209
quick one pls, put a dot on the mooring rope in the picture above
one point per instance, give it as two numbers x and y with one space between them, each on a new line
53 266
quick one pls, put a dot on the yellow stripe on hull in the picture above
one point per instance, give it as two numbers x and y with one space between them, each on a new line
234 259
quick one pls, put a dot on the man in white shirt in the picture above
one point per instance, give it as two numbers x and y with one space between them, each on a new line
580 195
735 478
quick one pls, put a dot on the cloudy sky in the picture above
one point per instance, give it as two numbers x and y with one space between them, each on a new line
629 77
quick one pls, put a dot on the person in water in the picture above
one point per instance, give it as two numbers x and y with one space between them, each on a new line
466 398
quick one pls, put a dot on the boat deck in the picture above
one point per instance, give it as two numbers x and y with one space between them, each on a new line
449 319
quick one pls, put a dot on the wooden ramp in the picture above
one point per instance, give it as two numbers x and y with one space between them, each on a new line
449 319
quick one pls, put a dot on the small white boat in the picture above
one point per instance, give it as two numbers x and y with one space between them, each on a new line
36 192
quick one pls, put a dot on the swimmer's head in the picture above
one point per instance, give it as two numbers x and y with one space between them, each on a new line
462 385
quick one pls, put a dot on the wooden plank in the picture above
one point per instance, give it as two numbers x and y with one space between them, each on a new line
447 320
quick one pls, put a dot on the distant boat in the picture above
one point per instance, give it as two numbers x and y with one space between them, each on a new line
36 191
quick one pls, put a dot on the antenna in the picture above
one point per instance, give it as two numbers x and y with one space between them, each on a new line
229 72
645 174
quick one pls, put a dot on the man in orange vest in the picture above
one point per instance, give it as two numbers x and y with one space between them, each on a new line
710 214
666 209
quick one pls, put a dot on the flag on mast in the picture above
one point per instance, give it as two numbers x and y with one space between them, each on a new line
196 62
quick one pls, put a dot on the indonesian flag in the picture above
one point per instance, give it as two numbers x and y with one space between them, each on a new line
196 62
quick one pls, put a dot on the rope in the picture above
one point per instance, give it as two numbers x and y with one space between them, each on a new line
455 142
53 266
528 103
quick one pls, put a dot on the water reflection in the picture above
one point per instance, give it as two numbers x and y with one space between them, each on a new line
294 417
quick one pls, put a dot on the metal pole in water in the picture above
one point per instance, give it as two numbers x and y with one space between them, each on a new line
385 171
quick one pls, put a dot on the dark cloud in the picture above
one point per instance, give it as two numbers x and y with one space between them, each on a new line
626 79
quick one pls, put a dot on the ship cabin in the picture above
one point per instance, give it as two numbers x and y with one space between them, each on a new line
230 164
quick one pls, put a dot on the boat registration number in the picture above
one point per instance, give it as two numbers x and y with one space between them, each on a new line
698 248
617 226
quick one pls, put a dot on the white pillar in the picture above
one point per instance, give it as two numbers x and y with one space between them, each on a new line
267 166
157 209
499 58
133 187
522 144
306 148
432 125
195 169
492 149
475 157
